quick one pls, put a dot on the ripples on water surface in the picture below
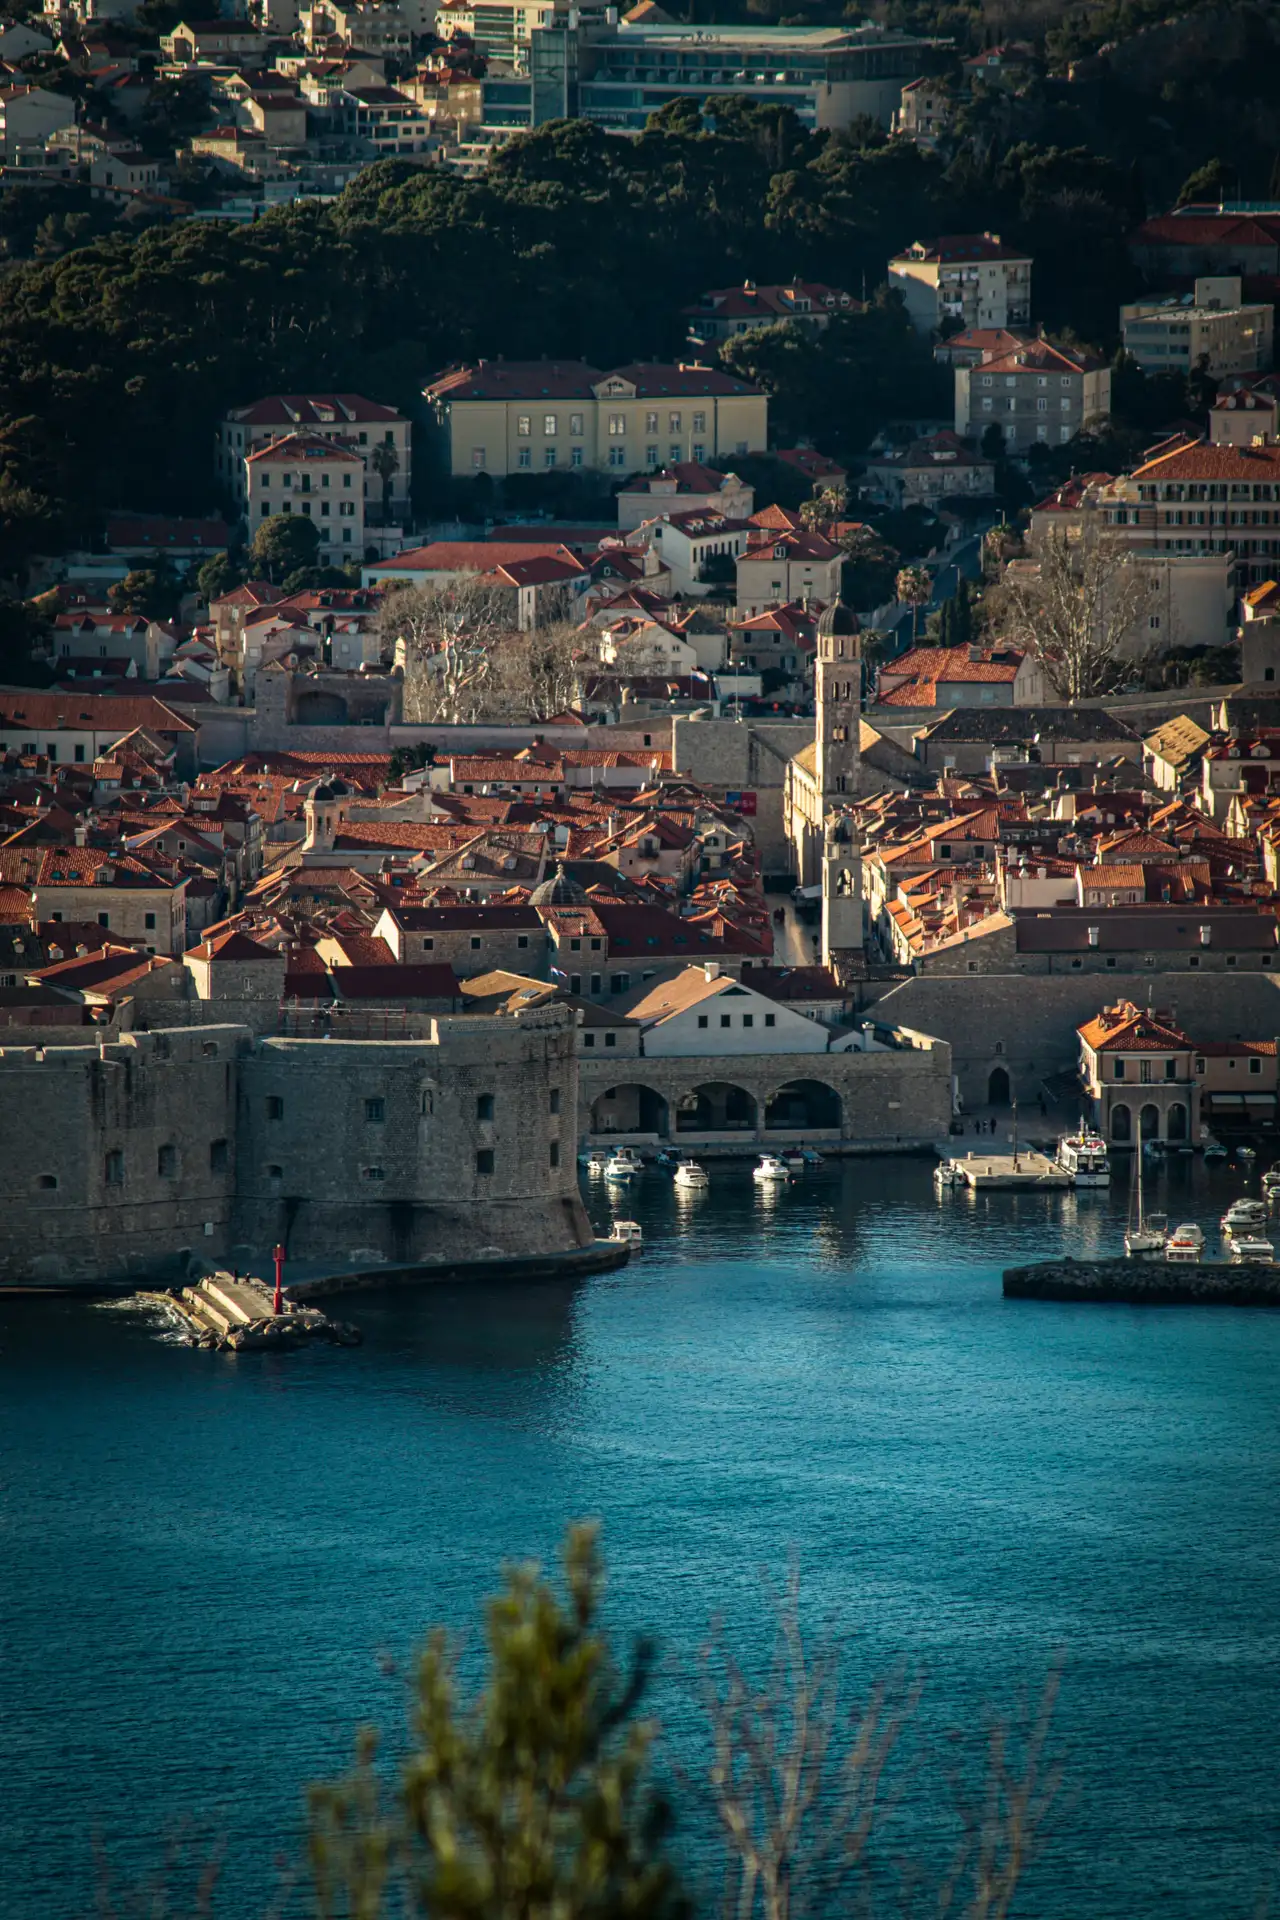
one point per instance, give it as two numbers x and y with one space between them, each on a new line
201 1556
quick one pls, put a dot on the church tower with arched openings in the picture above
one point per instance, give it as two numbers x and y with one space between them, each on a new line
837 687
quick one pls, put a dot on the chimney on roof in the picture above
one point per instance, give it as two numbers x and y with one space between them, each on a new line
1206 936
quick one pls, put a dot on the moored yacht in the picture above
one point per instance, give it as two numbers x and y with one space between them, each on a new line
1083 1154
770 1169
690 1175
1185 1243
1244 1218
623 1164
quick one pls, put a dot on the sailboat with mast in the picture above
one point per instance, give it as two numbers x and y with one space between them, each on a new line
1146 1232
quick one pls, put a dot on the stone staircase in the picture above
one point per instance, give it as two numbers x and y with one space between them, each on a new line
219 1303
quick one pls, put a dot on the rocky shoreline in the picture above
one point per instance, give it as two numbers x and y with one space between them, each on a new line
1140 1283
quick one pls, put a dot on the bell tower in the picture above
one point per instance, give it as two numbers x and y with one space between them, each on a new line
842 910
837 678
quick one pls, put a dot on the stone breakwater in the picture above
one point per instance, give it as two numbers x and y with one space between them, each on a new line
1140 1283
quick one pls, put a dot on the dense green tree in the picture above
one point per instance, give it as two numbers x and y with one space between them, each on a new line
1211 182
217 576
149 591
282 545
529 1801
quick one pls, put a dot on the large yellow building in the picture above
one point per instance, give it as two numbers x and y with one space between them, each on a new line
513 416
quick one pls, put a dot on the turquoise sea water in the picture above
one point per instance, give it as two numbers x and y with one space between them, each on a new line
202 1557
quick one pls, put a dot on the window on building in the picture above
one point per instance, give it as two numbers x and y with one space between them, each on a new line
275 1106
673 452
375 1110
771 1019
588 1039
484 1160
651 456
372 1173
104 919
549 457
1119 1072
610 1039
575 424
748 1019
47 1182
699 422
618 425
698 450
726 1019
575 457
477 457
167 1163
524 425
484 1106
113 1168
148 921
702 1020
553 1153
524 456
1170 1069
217 1156
1255 1066
617 456
555 1099
475 943
650 423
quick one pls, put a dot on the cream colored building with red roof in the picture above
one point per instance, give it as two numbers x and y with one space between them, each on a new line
970 277
511 416
349 420
308 475
1034 392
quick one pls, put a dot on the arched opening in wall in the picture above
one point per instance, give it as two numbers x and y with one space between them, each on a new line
1121 1123
716 1107
318 708
630 1109
1150 1121
804 1106
998 1087
1177 1121
47 1182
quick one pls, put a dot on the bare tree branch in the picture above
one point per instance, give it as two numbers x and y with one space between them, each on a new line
1081 607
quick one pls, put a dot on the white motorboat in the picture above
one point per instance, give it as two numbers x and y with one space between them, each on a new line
1253 1250
770 1170
1083 1154
623 1164
1246 1154
627 1233
948 1173
1142 1235
1244 1217
1185 1243
690 1176
596 1163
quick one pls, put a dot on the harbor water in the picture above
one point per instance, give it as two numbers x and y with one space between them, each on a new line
205 1558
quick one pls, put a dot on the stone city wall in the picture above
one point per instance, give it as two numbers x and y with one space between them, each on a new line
119 1162
1026 1025
115 1158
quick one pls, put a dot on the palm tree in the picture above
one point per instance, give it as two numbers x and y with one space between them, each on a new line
385 462
914 589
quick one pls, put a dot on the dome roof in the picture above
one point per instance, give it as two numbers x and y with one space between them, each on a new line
837 618
559 891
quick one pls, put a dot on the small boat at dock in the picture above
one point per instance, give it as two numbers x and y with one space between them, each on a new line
690 1176
627 1233
624 1164
1253 1250
1213 1148
1083 1154
769 1170
1185 1243
1142 1235
1243 1218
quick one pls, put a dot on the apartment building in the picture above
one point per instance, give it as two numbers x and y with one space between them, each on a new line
725 311
925 110
511 416
29 117
1246 411
591 66
1212 328
1033 392
347 419
1198 498
313 477
970 278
